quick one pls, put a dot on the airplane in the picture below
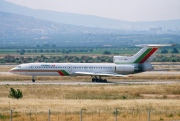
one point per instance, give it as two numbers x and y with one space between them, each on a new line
122 66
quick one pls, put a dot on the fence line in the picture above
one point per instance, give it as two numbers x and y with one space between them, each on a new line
117 113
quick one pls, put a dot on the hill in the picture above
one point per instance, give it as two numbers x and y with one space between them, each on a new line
20 30
89 20
15 24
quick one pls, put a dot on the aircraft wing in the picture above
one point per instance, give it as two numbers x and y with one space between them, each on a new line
100 74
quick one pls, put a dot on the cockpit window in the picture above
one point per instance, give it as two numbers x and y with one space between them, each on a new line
18 66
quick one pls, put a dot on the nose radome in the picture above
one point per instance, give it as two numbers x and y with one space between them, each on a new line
11 71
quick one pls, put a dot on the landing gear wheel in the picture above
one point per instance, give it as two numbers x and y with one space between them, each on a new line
101 80
33 80
97 80
93 79
104 80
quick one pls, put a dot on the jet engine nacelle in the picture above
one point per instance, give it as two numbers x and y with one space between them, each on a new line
126 68
147 67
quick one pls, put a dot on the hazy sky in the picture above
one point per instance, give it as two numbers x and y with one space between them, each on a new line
131 10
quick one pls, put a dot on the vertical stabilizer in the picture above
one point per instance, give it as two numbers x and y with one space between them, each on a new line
146 54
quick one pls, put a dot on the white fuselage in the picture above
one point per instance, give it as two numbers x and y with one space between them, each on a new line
66 69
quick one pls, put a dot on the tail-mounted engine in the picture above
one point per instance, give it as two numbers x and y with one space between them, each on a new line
126 69
146 67
136 68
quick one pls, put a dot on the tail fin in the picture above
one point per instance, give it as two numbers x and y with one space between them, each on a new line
146 54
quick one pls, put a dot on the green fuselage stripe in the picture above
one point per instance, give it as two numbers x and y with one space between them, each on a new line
143 55
65 73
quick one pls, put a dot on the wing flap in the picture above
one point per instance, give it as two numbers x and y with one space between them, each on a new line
100 74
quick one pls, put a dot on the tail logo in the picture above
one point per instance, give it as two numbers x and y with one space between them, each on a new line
146 55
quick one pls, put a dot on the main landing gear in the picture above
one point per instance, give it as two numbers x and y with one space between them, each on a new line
95 79
33 79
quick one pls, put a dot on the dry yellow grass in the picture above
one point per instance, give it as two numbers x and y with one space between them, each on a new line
71 98
106 92
106 106
156 76
6 68
165 109
124 116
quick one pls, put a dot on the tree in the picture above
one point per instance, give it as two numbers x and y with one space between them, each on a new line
41 51
175 50
90 50
46 45
9 59
106 53
15 93
164 51
17 51
52 51
35 51
47 51
29 51
38 46
22 51
53 46
58 51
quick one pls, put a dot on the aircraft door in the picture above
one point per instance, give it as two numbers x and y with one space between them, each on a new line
31 66
91 68
69 68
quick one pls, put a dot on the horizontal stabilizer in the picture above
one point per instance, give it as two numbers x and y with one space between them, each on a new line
154 45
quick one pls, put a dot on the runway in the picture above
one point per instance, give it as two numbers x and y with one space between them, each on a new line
69 82
84 83
6 73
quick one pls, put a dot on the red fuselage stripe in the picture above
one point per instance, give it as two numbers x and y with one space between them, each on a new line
61 73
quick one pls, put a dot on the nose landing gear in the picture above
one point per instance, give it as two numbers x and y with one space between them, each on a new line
33 79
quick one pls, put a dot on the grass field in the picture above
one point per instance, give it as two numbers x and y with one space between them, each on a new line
162 99
86 92
98 101
67 110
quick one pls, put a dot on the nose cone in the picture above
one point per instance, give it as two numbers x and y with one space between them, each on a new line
12 70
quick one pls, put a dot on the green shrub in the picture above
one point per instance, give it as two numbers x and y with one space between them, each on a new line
2 116
161 119
170 115
116 112
15 93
